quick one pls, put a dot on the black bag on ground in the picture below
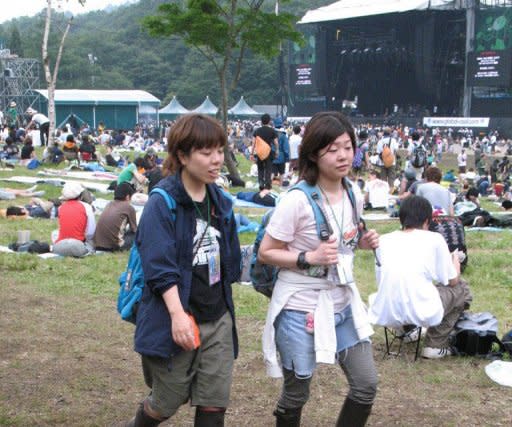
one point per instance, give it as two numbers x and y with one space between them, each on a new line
32 247
475 334
507 342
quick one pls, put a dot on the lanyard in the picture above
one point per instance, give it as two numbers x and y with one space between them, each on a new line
340 228
208 214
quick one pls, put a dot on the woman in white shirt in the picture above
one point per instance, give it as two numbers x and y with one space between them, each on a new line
316 314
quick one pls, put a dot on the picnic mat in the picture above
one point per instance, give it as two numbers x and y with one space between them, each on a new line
95 186
378 217
91 176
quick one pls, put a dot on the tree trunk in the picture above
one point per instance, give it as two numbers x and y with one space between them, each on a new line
51 81
228 160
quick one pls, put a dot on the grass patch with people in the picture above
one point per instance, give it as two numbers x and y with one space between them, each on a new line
67 358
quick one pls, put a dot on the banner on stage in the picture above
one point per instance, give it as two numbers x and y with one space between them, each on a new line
467 122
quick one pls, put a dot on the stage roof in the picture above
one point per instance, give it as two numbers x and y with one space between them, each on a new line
79 96
345 9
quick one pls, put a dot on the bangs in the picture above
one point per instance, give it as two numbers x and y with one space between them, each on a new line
202 133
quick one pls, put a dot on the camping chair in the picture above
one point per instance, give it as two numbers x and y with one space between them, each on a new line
409 334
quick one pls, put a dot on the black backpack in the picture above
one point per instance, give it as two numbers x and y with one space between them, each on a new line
475 334
419 156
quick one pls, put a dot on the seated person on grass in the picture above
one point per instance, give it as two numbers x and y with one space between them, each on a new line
76 223
376 192
70 149
134 174
117 224
438 196
418 280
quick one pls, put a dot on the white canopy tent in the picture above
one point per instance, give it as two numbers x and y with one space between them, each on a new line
207 107
241 108
345 9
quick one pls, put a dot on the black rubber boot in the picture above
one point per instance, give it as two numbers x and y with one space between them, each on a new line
287 417
209 418
142 419
353 414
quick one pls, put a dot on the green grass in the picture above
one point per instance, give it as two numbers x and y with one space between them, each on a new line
67 359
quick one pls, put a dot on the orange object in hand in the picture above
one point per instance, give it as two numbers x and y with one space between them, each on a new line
197 337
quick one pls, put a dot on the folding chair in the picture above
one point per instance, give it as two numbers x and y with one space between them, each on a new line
406 336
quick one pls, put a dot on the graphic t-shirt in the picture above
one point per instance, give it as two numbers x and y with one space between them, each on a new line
207 301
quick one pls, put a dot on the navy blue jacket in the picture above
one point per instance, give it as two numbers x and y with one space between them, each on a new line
165 248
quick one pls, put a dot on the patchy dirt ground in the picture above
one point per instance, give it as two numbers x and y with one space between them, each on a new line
69 362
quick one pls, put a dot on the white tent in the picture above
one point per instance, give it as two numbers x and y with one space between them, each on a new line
344 9
241 108
174 108
207 107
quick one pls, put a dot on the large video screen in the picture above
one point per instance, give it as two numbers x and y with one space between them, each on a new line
490 64
490 68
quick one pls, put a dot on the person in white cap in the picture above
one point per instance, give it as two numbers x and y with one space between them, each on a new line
43 123
11 115
76 223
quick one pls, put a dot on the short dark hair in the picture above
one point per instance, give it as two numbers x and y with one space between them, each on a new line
472 192
363 134
414 211
70 138
296 129
122 190
191 132
140 162
15 211
415 136
321 131
433 174
265 119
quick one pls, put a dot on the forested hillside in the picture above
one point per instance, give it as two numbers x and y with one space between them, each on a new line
126 57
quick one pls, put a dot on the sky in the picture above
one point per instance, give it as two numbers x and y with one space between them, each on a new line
17 8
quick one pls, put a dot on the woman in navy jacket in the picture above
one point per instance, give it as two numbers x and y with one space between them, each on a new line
185 329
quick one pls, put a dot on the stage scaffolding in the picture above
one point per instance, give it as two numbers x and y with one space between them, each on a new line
18 79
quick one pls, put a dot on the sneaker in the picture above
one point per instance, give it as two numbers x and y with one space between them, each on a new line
435 353
412 336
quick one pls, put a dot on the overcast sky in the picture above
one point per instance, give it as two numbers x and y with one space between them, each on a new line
16 8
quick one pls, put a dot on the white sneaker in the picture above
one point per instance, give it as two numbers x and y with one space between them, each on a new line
412 336
435 353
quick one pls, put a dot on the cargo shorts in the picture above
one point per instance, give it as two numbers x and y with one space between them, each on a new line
201 376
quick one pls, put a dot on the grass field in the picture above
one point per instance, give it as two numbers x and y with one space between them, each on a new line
66 359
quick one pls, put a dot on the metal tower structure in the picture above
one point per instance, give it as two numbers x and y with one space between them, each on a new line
18 79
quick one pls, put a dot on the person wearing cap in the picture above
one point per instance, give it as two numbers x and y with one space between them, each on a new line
42 122
11 115
117 224
76 223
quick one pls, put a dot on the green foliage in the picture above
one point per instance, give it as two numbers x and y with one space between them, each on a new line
14 43
130 58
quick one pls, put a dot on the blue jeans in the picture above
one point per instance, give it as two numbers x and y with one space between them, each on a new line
297 347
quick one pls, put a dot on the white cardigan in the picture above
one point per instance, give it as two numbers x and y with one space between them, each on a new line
287 284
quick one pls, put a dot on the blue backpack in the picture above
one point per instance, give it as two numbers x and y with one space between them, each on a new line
131 281
264 276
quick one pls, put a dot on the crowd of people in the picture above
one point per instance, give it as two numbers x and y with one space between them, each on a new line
186 330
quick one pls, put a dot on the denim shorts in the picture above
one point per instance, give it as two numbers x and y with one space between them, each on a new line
296 347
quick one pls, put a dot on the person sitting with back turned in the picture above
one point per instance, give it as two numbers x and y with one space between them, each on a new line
418 280
434 192
76 223
117 224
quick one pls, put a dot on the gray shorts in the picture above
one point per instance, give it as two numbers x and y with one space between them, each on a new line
202 376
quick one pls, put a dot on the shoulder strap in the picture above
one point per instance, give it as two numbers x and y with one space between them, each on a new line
347 185
323 227
171 203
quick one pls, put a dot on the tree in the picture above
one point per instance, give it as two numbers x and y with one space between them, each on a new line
14 43
51 79
223 31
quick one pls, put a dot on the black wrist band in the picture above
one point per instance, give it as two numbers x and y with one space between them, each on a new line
301 261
